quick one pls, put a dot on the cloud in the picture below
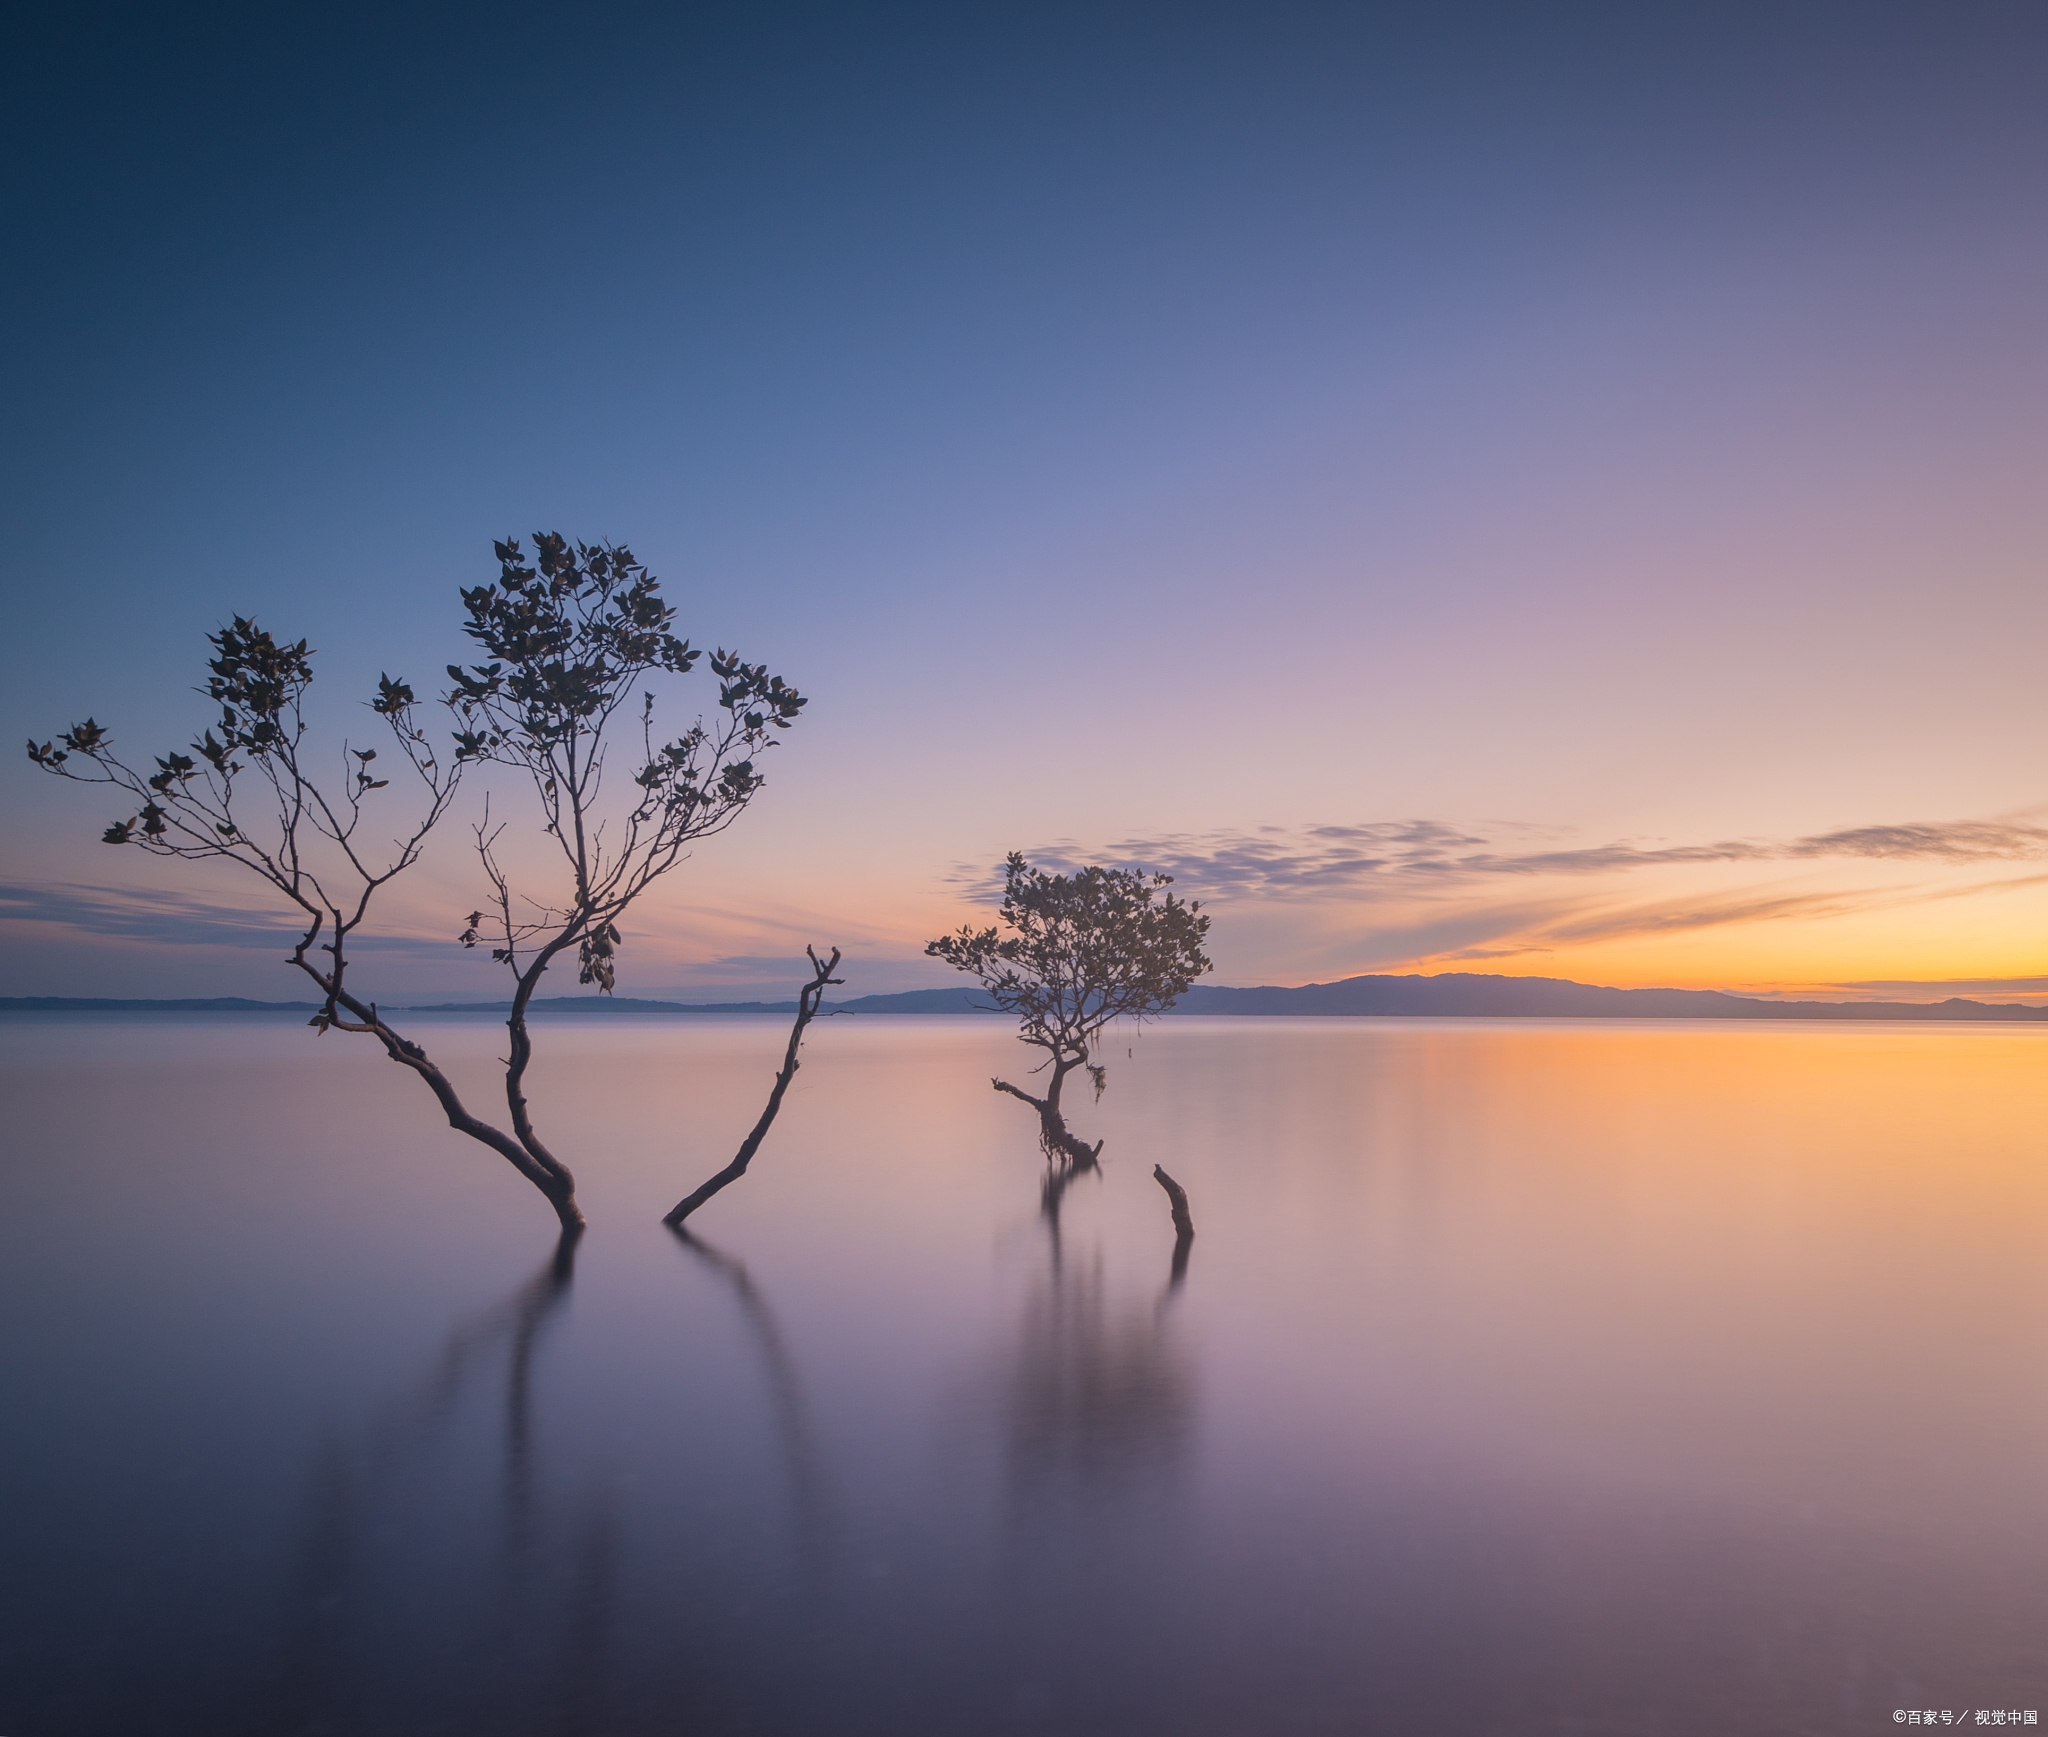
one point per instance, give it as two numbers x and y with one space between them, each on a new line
1681 916
1477 934
1433 932
1570 922
1956 841
172 919
1306 859
1410 855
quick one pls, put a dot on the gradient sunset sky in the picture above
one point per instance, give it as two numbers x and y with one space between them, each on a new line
1550 489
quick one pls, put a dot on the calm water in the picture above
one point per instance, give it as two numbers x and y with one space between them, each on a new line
1526 1377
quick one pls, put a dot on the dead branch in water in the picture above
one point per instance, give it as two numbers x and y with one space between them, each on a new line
1183 1225
806 1009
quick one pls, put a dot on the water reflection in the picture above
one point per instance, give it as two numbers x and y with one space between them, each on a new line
1096 1393
1062 1171
538 1597
804 1465
1176 1274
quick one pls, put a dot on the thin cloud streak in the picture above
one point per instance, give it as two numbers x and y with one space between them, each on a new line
1682 916
1512 932
45 932
173 919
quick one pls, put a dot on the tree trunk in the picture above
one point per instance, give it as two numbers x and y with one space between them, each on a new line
1054 1137
559 1189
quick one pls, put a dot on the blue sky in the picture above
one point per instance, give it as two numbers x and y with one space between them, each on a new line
1575 427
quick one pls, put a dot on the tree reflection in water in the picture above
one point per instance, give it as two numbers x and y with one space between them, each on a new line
443 1582
527 1627
1095 1395
809 1488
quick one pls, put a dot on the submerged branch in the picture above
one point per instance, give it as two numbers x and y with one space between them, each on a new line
806 1009
1184 1226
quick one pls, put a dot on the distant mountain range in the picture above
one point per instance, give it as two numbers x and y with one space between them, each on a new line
1472 995
1458 994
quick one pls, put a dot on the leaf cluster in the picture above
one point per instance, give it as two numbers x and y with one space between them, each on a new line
259 684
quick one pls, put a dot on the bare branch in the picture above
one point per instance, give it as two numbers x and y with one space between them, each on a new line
808 999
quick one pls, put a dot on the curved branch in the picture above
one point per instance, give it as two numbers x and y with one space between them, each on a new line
807 1002
411 1055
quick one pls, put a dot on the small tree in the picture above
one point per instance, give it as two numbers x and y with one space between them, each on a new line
1081 951
249 796
571 638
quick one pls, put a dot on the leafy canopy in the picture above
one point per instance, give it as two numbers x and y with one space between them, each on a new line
569 637
1071 953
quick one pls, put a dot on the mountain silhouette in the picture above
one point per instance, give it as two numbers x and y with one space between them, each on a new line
1449 995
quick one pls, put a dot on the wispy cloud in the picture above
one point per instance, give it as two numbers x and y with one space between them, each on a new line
1680 916
1953 841
174 919
166 916
1491 931
1336 860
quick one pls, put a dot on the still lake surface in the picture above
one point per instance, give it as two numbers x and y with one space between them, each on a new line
1527 1376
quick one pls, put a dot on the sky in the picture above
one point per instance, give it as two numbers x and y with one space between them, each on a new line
1549 489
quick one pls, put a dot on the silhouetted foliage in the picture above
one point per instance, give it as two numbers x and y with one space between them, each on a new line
570 638
1070 955
248 796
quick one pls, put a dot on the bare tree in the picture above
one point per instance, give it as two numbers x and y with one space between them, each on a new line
249 796
571 638
1081 951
